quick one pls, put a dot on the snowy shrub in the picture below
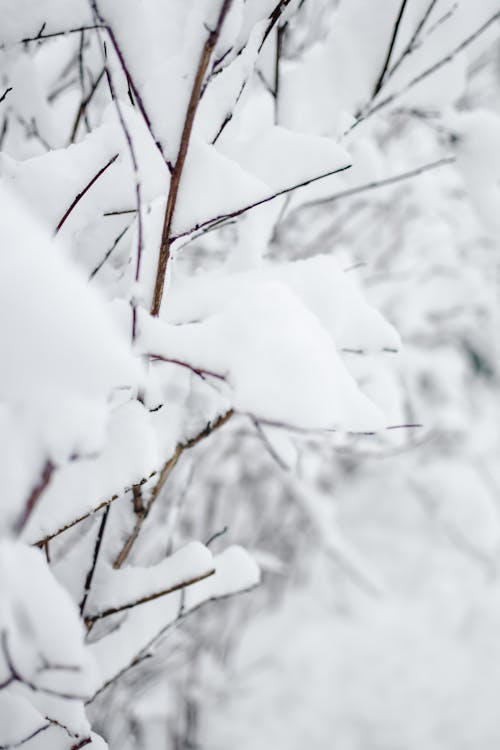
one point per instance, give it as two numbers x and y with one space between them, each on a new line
168 171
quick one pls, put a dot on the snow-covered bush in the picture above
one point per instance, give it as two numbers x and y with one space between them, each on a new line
167 176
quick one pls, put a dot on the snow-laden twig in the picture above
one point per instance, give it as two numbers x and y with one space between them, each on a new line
91 619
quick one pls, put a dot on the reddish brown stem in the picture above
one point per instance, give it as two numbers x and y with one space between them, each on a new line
175 180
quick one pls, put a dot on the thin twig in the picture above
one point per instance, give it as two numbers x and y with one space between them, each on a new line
428 71
95 556
84 104
402 176
5 93
34 496
85 190
41 37
240 211
413 41
109 252
385 66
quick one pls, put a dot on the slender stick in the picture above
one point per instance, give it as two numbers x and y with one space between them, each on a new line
428 71
381 183
175 181
97 547
85 190
385 67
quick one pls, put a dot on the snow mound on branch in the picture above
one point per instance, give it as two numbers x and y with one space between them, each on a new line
281 363
323 287
61 353
282 158
235 571
115 589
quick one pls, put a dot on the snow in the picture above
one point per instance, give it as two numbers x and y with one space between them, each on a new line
235 571
67 401
288 371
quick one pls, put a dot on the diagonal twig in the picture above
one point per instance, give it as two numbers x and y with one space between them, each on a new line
85 190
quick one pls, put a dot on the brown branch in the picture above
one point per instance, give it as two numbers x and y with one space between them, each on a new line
34 496
85 190
164 475
91 619
166 239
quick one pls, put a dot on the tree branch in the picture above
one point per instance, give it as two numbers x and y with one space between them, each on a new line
97 547
85 190
166 239
385 66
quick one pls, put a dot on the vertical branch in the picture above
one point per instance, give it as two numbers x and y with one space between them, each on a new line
97 548
387 60
133 159
173 192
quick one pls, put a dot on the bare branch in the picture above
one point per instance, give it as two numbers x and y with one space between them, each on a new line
240 211
4 95
381 183
97 547
428 71
85 190
166 239
84 104
383 72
